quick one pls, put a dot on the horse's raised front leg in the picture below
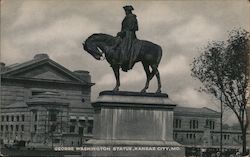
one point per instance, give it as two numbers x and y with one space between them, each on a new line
146 68
117 77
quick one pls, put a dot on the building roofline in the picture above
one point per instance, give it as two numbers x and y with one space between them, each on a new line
18 68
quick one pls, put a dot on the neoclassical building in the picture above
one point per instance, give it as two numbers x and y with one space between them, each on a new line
45 104
200 127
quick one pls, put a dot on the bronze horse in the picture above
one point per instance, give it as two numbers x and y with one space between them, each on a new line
99 45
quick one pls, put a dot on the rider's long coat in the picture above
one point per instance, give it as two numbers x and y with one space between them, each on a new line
129 27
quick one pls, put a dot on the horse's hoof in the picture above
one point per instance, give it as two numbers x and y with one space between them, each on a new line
143 91
158 91
115 90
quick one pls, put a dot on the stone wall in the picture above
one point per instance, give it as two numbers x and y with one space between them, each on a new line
12 92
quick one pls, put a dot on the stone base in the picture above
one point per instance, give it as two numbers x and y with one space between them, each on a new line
137 121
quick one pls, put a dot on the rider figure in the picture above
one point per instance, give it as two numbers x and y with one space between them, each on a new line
127 35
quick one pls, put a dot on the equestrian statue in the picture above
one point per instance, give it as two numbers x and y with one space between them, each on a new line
124 50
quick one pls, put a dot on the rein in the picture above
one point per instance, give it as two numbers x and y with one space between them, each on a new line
103 54
103 57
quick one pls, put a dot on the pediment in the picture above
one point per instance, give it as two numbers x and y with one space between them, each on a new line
50 75
45 72
42 69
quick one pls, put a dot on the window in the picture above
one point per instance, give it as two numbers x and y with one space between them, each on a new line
226 137
7 118
17 127
17 118
175 136
191 136
22 127
36 117
2 118
193 124
6 127
56 140
35 128
72 128
23 117
82 120
11 127
90 127
239 137
72 118
80 131
53 128
1 127
12 118
177 123
210 124
52 115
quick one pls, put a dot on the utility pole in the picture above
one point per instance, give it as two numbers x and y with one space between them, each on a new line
1 69
221 114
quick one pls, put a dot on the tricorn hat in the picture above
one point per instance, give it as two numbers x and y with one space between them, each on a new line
128 7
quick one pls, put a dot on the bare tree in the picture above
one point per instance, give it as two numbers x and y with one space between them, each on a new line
222 68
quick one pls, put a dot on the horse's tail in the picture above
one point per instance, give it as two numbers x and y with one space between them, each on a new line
159 56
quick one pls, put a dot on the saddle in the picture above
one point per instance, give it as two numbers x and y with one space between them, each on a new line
128 61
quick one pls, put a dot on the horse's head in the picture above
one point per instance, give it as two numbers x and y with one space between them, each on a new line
95 44
92 48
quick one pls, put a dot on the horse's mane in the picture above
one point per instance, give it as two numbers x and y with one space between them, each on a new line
101 37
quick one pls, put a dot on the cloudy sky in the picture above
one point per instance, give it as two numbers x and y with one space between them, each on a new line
182 28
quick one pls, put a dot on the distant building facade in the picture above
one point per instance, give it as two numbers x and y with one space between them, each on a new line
200 127
43 103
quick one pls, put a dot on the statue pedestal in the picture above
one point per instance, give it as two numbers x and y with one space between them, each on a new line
136 121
